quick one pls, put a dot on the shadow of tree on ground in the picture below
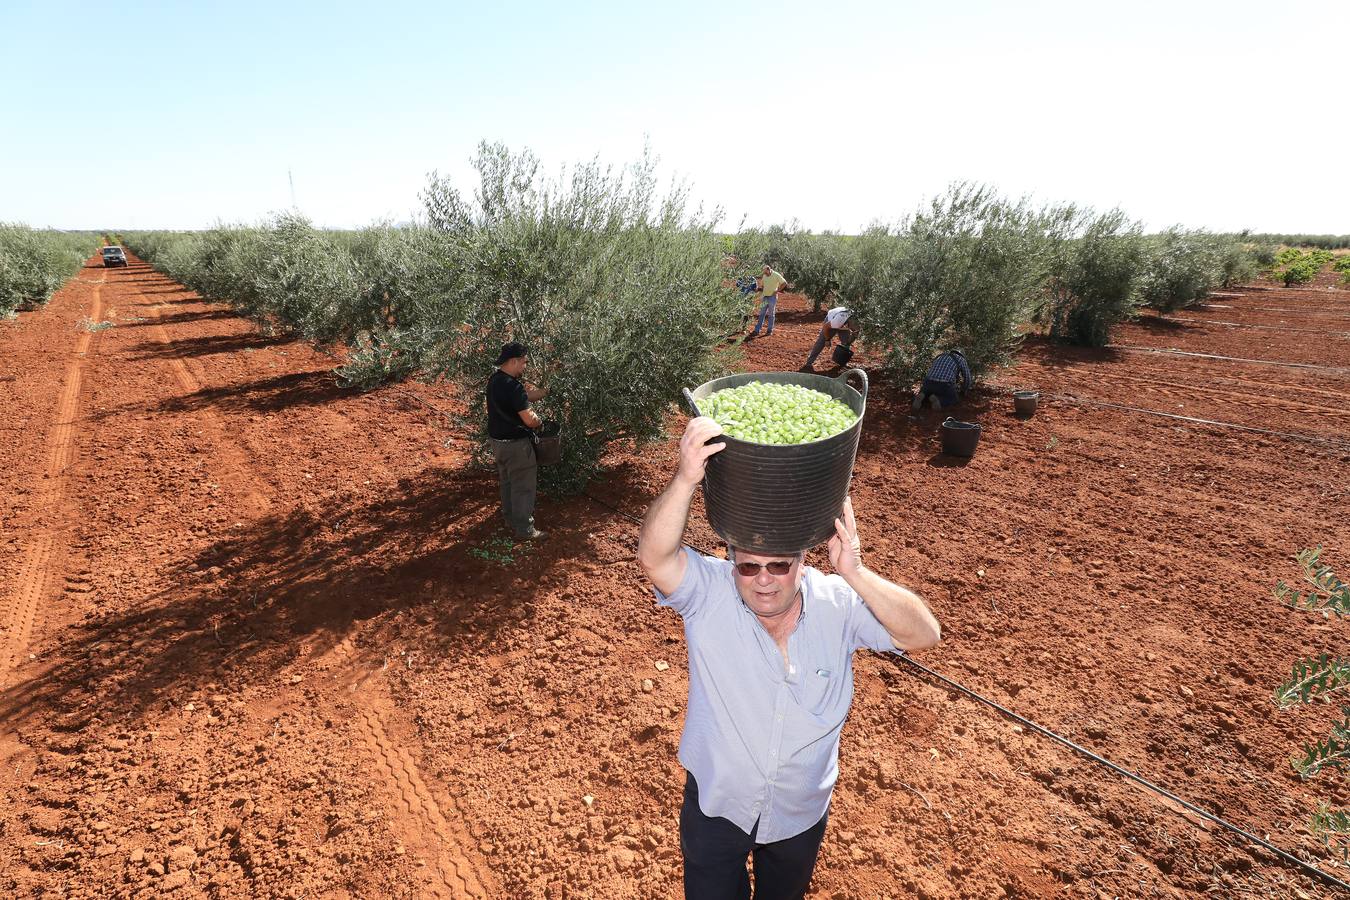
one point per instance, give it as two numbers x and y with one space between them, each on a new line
285 589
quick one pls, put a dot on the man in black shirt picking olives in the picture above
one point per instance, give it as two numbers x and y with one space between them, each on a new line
510 421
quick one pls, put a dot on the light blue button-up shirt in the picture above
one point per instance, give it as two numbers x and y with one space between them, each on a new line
762 738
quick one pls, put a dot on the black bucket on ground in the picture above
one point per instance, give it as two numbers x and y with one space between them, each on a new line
1025 402
959 438
548 443
842 354
778 499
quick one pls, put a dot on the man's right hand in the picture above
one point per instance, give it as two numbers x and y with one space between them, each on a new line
695 449
659 551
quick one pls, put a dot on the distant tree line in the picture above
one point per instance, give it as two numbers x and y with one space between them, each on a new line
1319 241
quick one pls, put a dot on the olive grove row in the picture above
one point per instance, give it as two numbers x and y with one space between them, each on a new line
35 263
624 291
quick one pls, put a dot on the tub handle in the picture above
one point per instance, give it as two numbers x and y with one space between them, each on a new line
844 378
689 399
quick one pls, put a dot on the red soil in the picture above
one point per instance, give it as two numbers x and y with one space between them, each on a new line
261 636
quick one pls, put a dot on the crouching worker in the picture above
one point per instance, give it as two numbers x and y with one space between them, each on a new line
836 325
510 424
947 381
771 644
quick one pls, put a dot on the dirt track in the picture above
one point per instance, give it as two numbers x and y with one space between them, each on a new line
264 637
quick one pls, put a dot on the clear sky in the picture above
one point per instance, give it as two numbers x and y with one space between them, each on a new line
1225 114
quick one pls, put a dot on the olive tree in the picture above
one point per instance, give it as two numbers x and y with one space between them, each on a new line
964 272
813 264
617 290
1181 268
1094 277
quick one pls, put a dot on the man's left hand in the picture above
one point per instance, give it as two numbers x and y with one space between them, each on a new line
845 548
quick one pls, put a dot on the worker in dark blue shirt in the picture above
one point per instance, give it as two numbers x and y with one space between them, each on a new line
946 382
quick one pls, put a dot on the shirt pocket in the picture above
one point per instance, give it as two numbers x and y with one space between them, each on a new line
819 689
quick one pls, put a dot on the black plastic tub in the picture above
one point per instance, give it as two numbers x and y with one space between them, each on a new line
548 444
779 499
1025 402
841 354
959 438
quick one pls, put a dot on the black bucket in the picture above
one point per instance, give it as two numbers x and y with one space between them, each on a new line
842 354
779 499
959 438
1025 402
548 444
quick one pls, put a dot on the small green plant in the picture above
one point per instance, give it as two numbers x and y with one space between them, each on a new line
375 360
1327 595
1288 255
1342 265
1294 266
500 550
88 324
1324 678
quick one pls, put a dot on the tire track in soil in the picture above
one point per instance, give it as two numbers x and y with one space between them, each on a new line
258 501
40 559
455 873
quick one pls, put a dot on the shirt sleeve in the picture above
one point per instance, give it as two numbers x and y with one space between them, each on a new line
866 630
519 400
700 574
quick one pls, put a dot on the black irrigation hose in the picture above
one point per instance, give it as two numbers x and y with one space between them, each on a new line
1317 313
1339 370
1251 325
1283 855
1296 436
612 508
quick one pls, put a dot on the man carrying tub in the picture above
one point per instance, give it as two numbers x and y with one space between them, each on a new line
771 644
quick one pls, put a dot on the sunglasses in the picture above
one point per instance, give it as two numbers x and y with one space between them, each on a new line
777 567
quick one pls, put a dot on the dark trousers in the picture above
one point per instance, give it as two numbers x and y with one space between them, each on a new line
518 471
715 850
945 391
826 334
